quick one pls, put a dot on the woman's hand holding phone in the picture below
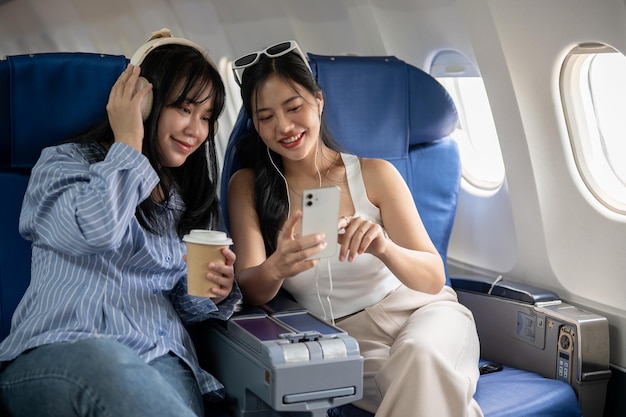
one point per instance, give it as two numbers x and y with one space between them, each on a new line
294 253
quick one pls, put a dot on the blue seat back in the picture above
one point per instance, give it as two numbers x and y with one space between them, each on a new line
44 99
385 108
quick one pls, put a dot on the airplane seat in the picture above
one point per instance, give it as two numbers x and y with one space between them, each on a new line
45 98
383 107
35 112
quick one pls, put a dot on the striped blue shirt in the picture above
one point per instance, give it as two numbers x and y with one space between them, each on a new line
95 271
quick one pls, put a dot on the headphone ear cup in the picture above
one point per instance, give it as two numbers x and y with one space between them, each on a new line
146 104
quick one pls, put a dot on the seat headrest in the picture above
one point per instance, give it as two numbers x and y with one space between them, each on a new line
375 89
433 113
51 97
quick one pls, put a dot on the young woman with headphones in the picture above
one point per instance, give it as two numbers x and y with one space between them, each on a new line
101 329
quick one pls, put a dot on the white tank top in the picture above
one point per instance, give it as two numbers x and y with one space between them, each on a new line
334 289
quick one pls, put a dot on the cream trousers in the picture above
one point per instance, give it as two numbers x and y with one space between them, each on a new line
421 355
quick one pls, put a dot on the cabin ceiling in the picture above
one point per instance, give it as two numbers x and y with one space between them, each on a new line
225 27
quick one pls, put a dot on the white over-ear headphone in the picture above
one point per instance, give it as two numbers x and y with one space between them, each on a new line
159 38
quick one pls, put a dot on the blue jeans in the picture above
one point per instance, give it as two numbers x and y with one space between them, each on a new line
98 377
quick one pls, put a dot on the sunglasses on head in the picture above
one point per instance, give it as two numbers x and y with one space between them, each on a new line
274 51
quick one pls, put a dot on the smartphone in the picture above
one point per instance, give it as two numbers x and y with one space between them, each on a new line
320 214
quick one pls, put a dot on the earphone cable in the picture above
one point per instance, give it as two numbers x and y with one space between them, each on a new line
284 179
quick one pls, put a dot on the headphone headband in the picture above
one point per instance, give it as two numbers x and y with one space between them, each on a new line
147 47
159 38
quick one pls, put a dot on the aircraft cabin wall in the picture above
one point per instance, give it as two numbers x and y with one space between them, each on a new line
563 238
542 226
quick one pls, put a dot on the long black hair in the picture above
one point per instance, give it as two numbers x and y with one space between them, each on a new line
270 191
196 179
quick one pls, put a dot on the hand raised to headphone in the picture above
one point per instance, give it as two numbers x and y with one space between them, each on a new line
124 108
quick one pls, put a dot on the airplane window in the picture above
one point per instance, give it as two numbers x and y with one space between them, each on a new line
481 158
593 92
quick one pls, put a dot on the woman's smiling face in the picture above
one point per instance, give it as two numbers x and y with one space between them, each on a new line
183 128
287 117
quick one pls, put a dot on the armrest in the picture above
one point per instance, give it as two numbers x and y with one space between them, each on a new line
503 288
531 328
278 359
283 302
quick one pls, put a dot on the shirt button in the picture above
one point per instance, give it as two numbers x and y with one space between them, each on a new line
168 259
155 291
162 332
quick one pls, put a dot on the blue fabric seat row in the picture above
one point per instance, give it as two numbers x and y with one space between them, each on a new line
382 107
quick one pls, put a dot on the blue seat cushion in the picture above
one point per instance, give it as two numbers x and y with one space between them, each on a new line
510 392
516 393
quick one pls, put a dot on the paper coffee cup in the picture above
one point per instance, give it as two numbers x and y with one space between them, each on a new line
203 247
